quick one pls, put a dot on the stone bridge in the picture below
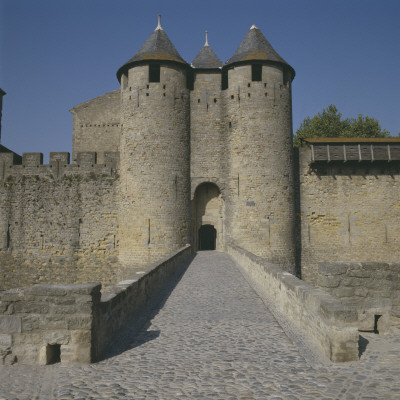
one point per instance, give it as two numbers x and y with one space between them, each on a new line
211 336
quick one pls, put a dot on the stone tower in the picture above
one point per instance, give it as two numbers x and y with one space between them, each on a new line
154 208
207 150
260 203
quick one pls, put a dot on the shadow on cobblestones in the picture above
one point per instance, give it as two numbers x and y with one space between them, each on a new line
136 332
362 345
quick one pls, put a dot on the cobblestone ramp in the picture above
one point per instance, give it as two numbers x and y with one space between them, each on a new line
212 339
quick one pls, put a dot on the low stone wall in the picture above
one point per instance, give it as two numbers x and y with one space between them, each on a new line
318 315
48 323
43 324
372 288
126 299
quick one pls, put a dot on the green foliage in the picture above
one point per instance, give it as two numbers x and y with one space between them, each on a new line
329 124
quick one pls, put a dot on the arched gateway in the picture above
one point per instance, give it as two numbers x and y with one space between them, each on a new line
208 217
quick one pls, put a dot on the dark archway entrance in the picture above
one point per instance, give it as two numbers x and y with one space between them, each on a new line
207 236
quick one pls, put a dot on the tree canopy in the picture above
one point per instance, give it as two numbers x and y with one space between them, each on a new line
330 124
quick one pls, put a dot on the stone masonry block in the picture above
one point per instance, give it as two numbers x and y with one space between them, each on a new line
326 268
32 159
336 312
10 324
5 340
86 158
329 281
62 157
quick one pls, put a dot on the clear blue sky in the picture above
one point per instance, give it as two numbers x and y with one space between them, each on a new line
55 54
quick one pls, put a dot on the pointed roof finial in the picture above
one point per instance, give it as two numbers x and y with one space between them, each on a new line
206 39
159 27
253 27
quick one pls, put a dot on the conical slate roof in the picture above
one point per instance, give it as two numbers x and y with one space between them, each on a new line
255 47
206 58
158 47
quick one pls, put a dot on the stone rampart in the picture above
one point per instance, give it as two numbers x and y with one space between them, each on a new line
372 288
318 315
59 165
58 222
350 210
44 324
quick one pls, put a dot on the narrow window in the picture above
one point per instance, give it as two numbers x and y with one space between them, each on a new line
256 72
224 80
154 73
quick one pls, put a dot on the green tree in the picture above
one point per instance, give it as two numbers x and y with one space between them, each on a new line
330 124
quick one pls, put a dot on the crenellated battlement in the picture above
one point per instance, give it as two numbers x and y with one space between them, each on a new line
59 165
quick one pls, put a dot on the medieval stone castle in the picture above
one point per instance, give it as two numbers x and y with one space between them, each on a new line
198 153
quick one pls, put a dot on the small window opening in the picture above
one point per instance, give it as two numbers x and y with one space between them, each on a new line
215 100
154 73
53 354
248 94
376 330
8 237
232 96
198 100
147 86
249 84
147 94
230 124
163 86
265 85
224 80
164 94
256 72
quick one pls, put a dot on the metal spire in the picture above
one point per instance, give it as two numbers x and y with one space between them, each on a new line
206 39
159 27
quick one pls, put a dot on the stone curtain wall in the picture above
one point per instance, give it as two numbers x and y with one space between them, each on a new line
58 222
330 325
35 321
97 125
371 288
71 323
349 212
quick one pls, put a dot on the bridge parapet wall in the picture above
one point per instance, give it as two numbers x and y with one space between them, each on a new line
73 324
32 164
330 325
125 301
43 324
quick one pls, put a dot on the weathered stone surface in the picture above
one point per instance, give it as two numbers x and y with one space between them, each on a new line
328 323
372 288
5 340
10 324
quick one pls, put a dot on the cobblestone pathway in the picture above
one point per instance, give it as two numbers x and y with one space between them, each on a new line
212 339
